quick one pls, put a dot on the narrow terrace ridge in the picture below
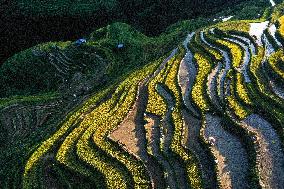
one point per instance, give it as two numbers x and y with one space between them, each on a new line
246 59
272 30
132 134
154 136
154 144
212 86
225 69
192 141
252 47
168 132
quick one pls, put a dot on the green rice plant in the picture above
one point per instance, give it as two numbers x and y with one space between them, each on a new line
241 89
233 102
113 172
260 79
281 26
234 25
237 108
235 50
276 62
255 70
216 54
187 156
198 90
101 123
156 104
50 143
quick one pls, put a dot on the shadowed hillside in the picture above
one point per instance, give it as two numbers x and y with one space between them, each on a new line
25 23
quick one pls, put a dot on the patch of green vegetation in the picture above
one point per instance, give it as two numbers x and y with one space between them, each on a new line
57 7
277 12
30 22
27 74
20 99
247 10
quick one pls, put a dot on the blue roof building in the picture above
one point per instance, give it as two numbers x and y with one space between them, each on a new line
120 46
80 41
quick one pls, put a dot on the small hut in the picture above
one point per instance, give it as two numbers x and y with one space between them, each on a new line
80 41
120 46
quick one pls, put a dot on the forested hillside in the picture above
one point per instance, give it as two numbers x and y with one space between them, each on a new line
25 23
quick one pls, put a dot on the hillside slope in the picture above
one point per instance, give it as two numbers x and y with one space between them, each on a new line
26 23
201 106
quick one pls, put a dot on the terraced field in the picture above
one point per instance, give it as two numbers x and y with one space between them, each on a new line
209 114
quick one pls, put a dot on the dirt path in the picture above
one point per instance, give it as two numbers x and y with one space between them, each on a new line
154 169
187 74
212 86
232 161
270 156
126 133
186 77
167 128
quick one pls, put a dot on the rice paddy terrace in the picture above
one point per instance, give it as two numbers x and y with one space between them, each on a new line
209 114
